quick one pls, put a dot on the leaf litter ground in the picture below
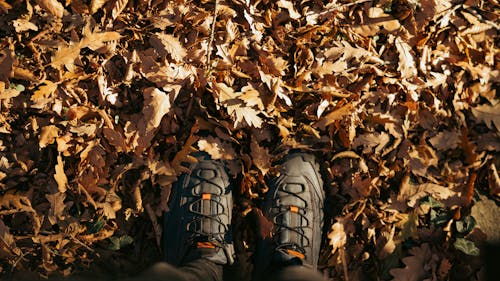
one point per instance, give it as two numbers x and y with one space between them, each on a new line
101 103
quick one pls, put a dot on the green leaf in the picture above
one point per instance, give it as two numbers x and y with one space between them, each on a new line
438 217
94 227
466 246
433 203
119 242
466 225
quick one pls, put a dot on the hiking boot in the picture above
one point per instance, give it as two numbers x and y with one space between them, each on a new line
198 224
294 204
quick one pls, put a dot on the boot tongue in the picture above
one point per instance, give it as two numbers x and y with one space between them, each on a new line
286 257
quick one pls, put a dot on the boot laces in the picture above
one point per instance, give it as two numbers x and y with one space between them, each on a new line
195 226
285 227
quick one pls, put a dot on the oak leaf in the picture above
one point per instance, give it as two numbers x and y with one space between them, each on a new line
66 55
407 66
216 148
53 7
168 44
335 115
57 206
118 7
260 156
445 140
96 5
416 265
8 244
60 176
488 114
48 135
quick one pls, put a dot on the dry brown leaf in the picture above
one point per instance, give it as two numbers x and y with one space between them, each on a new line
118 7
217 148
184 155
337 236
48 135
44 94
66 55
96 5
244 115
4 6
335 115
288 5
22 25
446 140
54 7
8 244
407 66
115 139
412 193
417 265
489 114
57 206
60 176
156 105
372 140
167 44
260 156
224 92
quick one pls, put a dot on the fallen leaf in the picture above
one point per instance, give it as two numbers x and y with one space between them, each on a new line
337 236
48 135
417 265
466 246
118 7
446 140
407 65
260 157
485 211
60 176
54 7
216 148
335 115
167 44
488 114
9 247
57 206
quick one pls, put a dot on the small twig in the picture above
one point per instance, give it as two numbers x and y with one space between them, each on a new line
76 240
344 264
212 31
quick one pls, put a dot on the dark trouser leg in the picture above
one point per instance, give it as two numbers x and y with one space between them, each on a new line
296 273
202 270
197 270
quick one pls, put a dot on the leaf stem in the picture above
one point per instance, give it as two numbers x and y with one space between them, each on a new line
212 31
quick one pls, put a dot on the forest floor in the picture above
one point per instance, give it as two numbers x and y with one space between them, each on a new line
101 103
